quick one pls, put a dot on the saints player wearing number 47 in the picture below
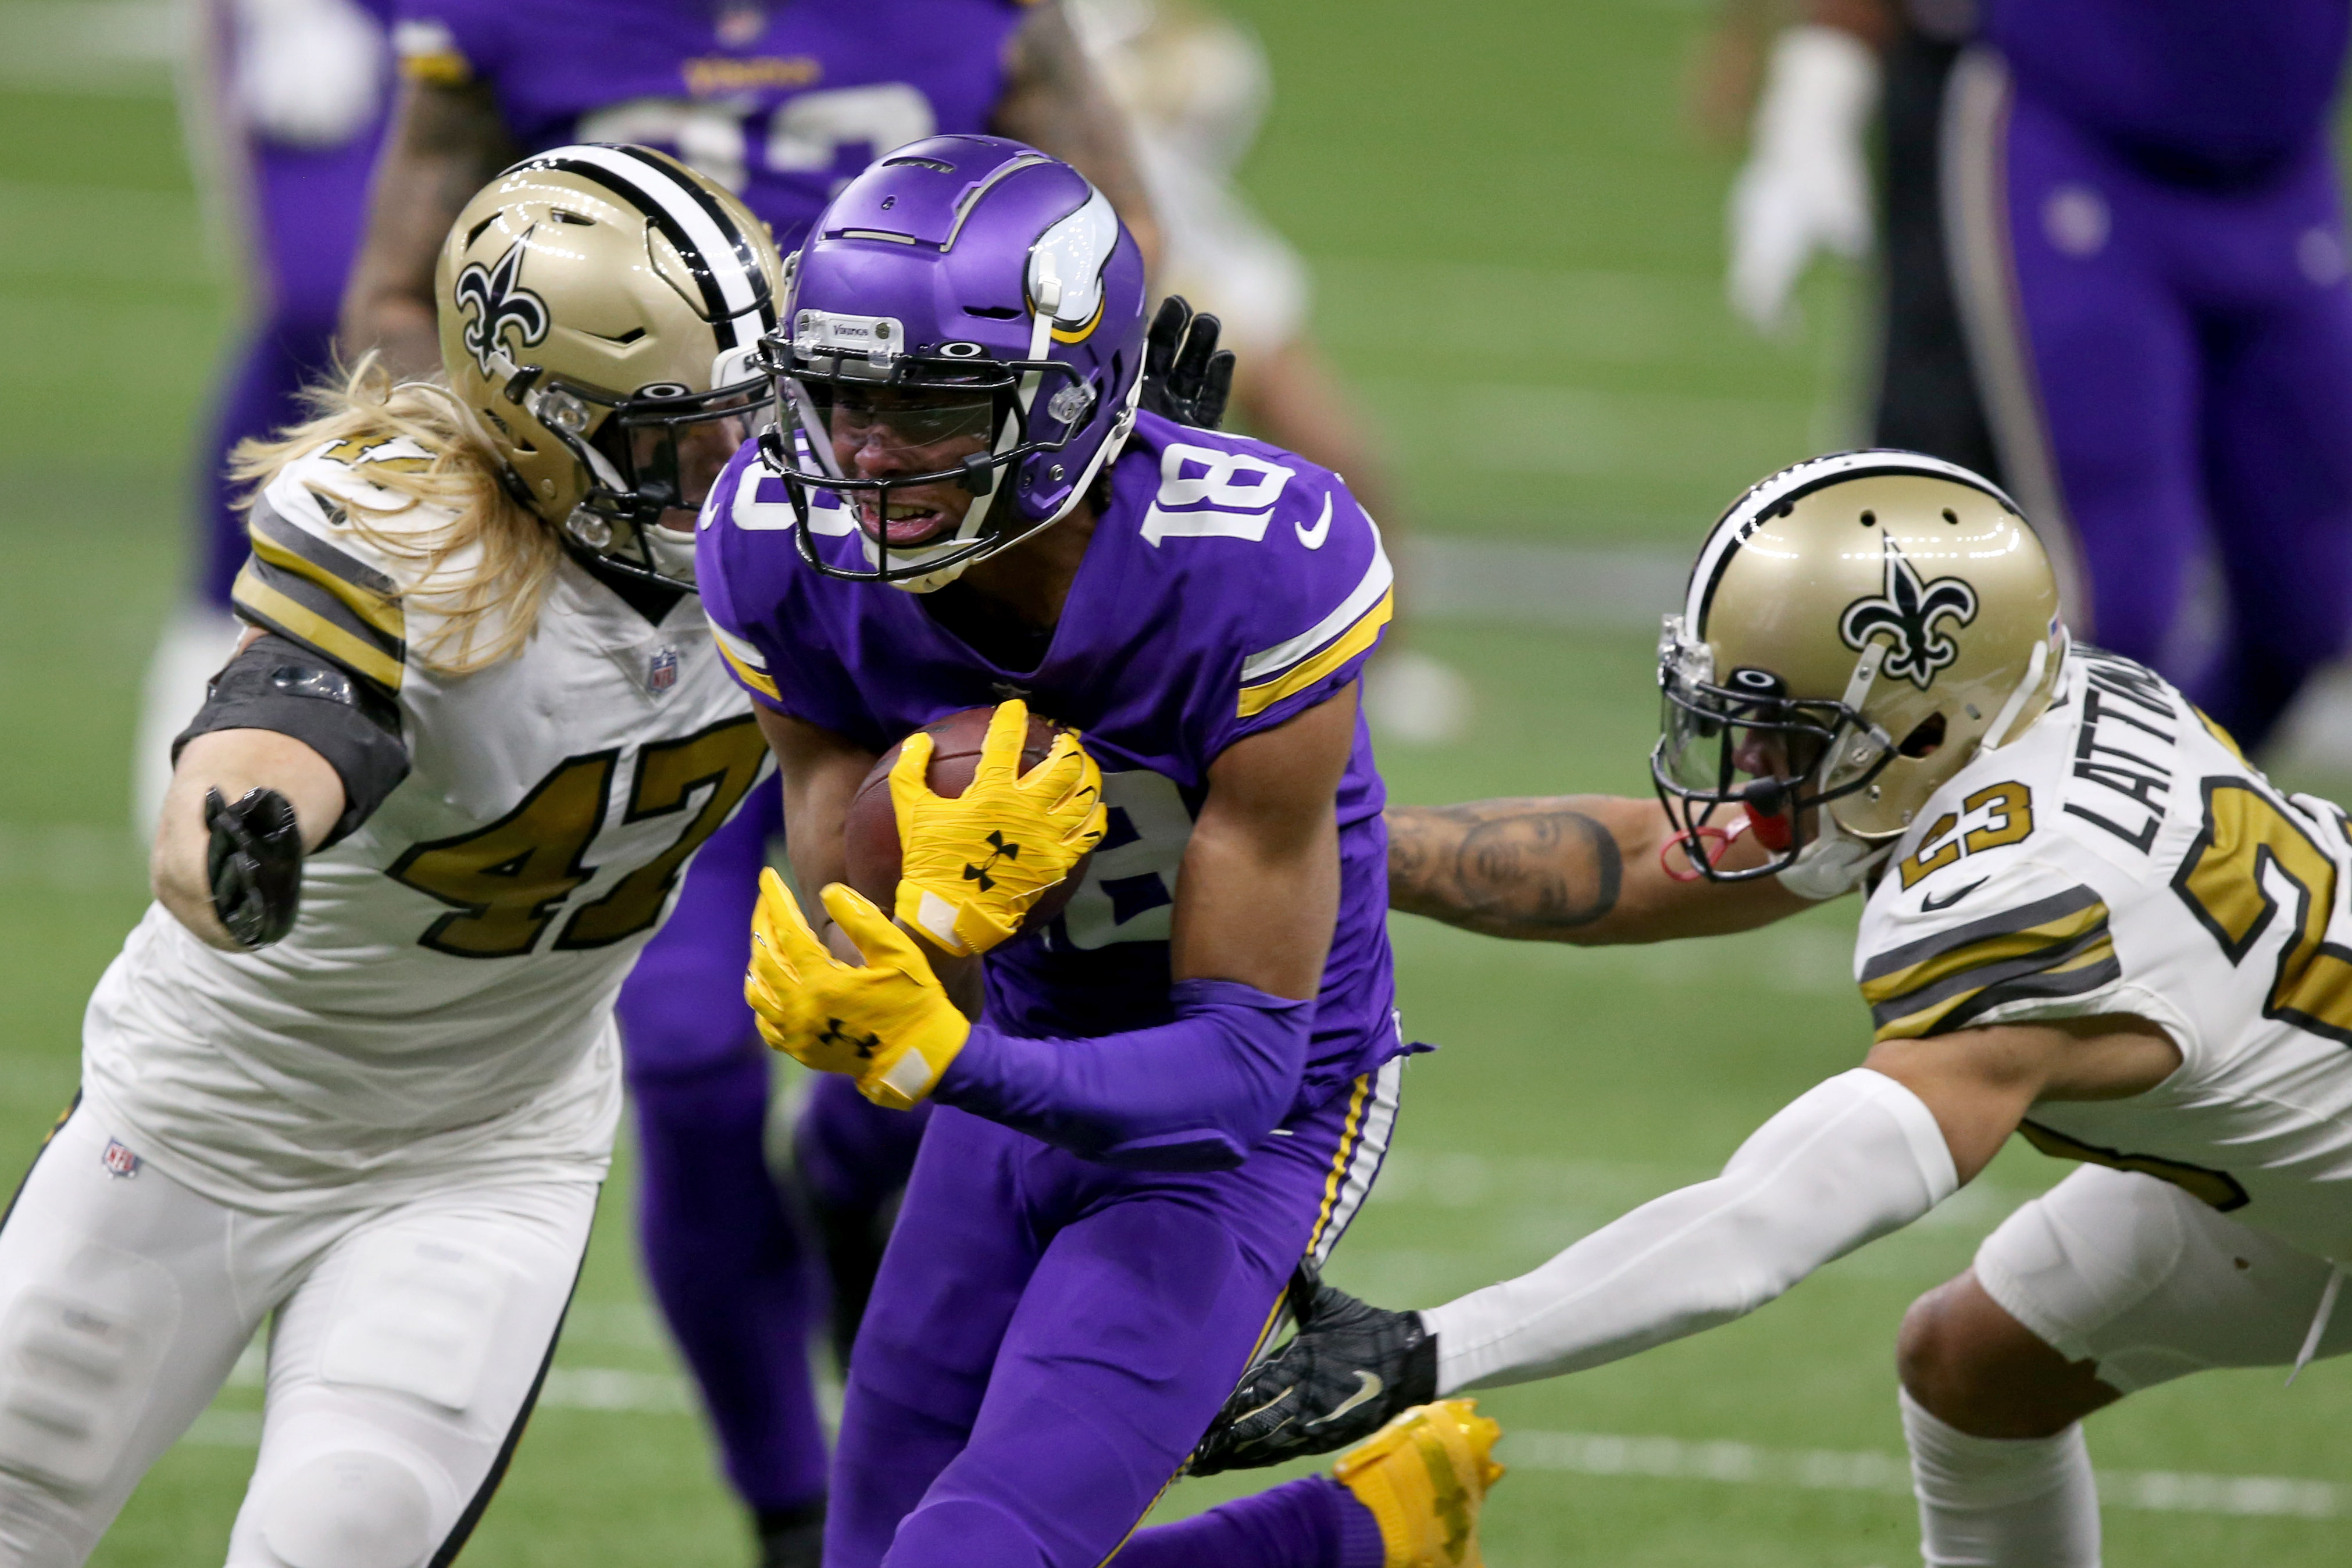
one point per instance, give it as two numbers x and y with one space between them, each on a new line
2091 924
356 1070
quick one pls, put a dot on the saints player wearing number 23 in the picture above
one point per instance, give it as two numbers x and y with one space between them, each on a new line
355 1072
2093 923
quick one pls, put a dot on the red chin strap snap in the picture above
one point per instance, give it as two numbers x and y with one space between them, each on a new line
1771 828
1715 843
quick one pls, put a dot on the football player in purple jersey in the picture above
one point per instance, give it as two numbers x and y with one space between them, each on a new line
2147 237
291 95
1180 1087
781 103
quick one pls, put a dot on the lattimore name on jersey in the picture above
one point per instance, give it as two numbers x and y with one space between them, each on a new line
2121 857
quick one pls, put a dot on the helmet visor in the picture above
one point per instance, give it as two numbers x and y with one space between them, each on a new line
671 449
911 446
1742 744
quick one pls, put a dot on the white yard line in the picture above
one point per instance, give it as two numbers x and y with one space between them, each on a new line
614 1391
111 48
1831 1470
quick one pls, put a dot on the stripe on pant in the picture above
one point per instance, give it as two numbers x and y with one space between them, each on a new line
1984 281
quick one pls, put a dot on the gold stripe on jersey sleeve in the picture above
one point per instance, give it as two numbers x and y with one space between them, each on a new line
2055 946
1366 631
272 607
2218 1188
758 680
369 594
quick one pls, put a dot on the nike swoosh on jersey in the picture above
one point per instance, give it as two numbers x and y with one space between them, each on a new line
1930 902
1313 537
1368 1386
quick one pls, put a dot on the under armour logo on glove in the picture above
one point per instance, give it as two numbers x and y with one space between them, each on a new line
836 1036
1002 851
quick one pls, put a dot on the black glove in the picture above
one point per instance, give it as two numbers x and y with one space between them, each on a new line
1186 377
254 865
1349 1369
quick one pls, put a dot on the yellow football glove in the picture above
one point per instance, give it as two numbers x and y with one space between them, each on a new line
971 868
888 1025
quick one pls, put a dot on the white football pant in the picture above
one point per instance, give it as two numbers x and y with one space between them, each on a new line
409 1340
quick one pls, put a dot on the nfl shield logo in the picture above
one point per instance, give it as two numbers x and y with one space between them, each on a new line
120 1161
661 670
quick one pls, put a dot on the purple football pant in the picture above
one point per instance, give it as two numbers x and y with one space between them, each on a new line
2191 357
309 206
737 1284
1049 1337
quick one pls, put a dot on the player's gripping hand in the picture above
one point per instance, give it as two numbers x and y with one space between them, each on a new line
1186 377
971 868
254 865
888 1024
1351 1368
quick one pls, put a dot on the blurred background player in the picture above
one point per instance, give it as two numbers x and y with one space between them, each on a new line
1195 86
2148 239
781 105
1807 187
2128 218
286 99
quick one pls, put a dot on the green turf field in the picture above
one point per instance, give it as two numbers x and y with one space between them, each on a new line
1518 164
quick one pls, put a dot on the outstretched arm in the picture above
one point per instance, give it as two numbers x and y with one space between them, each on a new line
1863 1154
445 143
1055 102
1566 868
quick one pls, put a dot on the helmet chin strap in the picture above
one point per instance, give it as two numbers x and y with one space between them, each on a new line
2035 664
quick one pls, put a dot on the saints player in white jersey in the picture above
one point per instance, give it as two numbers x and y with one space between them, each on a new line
2090 922
356 1068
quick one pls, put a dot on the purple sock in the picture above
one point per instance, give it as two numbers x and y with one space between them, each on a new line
1311 1523
731 1274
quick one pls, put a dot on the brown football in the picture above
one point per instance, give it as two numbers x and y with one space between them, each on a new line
871 834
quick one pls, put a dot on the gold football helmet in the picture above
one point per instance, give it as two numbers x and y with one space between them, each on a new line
600 308
1856 628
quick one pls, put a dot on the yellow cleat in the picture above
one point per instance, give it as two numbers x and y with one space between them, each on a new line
1424 1475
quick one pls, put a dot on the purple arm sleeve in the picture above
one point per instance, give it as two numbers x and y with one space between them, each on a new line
1193 1095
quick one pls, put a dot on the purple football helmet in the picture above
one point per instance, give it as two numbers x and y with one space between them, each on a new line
958 359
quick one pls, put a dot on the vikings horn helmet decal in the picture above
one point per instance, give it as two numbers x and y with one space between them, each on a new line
494 300
1817 675
1906 613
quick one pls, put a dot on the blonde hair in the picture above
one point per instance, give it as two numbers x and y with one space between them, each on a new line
488 606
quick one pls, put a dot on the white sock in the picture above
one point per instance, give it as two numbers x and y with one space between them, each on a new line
2001 1502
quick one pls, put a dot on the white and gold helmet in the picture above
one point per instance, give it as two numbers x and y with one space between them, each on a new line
1856 628
600 308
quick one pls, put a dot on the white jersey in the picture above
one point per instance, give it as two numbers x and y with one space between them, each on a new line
2120 857
443 1008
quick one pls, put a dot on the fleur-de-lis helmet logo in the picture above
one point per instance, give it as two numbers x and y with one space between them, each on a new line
494 300
1907 613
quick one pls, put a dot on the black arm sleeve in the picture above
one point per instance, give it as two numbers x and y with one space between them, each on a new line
278 685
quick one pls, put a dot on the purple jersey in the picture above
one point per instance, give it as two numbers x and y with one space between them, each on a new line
1228 586
781 105
2212 89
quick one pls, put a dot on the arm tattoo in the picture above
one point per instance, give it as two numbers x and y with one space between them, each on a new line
1527 868
1054 100
446 143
